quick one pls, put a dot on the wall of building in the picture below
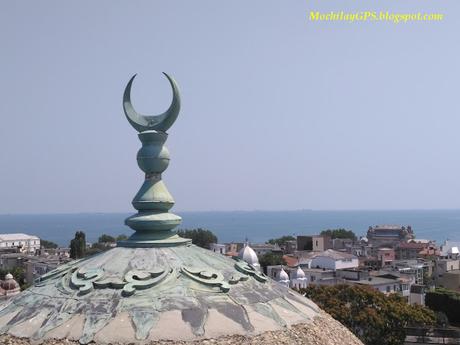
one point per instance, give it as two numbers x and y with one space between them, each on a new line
321 243
333 264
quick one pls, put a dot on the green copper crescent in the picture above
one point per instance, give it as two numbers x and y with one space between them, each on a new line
160 122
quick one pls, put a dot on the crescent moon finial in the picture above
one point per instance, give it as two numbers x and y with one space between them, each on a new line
160 122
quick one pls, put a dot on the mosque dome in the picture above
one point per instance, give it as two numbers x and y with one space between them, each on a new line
299 273
248 255
283 275
9 283
157 287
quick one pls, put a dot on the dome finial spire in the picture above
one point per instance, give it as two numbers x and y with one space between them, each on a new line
153 224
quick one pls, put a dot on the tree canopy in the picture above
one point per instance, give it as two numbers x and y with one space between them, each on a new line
201 237
339 233
373 317
122 237
445 301
106 239
78 245
48 244
270 259
281 241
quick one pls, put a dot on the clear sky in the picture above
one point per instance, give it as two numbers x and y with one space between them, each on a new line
278 112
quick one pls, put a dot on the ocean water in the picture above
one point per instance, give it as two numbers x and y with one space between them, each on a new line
257 226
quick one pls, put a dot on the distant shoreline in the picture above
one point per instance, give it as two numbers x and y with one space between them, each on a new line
257 226
239 211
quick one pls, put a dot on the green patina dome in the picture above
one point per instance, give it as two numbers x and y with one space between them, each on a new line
156 285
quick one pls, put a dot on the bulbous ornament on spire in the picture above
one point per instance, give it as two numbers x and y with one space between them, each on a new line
153 224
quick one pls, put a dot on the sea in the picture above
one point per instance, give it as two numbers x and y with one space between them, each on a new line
237 226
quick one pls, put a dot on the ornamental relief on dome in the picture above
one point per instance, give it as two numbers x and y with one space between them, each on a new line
250 270
85 280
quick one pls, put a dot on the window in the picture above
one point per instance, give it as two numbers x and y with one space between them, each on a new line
388 289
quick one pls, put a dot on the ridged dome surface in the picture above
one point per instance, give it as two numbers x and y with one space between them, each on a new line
134 295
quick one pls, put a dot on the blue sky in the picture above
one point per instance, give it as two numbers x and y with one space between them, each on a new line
277 112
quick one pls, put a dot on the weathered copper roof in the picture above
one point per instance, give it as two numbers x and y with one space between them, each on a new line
146 291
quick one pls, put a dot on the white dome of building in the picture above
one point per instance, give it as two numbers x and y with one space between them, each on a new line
248 255
299 280
299 274
283 277
8 276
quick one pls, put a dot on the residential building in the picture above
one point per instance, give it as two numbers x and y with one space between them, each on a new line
25 243
450 249
304 243
265 248
290 247
419 269
410 250
445 265
321 243
342 244
387 285
319 276
218 248
328 259
417 294
232 249
385 256
334 260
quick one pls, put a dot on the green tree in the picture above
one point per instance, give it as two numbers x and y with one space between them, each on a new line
270 259
339 233
122 237
78 245
373 317
446 301
201 237
281 241
48 244
106 239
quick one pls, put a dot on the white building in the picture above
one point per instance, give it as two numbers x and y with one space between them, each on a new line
386 285
218 248
283 277
25 243
450 249
298 280
334 260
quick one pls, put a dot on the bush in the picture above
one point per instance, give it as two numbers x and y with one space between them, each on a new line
201 237
373 317
446 301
